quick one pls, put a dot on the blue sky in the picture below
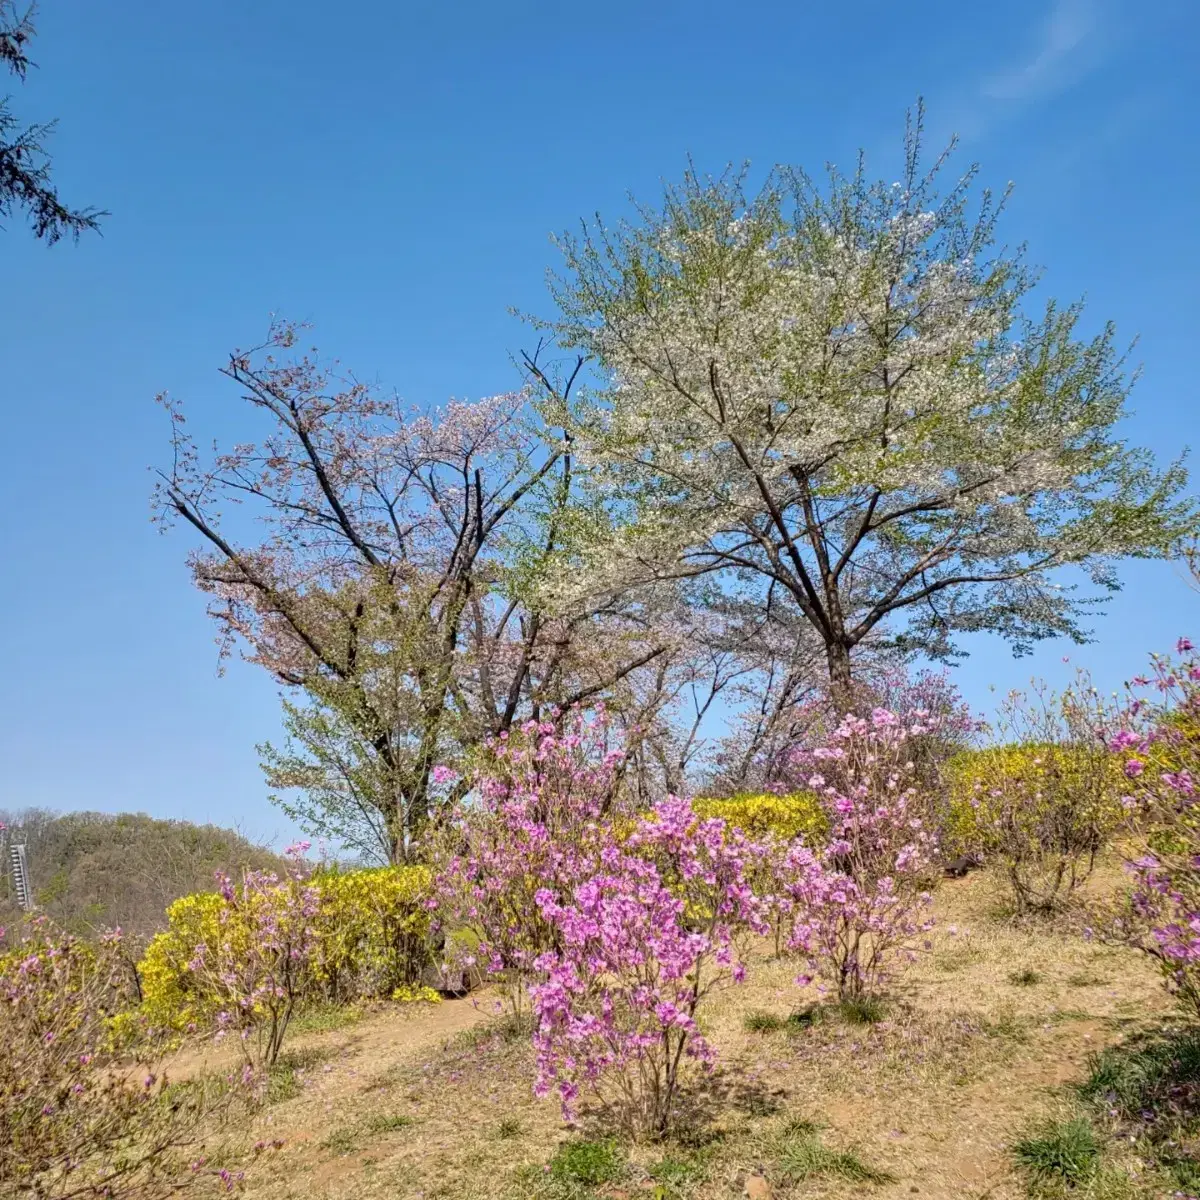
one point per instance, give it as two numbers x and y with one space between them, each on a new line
391 172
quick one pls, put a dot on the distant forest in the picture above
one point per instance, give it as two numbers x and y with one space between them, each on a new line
91 871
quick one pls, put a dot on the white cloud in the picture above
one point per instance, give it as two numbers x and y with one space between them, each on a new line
1066 47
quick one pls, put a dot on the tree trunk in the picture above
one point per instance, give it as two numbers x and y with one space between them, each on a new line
397 842
841 689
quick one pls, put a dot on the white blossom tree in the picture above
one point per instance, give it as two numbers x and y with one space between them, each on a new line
837 397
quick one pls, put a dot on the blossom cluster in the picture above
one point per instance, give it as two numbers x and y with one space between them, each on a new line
646 932
541 796
618 925
1158 742
860 900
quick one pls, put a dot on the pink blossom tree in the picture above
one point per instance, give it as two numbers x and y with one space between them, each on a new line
395 579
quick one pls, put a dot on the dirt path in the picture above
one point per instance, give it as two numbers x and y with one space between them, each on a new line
385 1034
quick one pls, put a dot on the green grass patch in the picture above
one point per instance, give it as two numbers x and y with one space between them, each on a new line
1157 1073
862 1010
575 1172
762 1022
800 1154
854 1010
342 1140
677 1174
285 1077
587 1163
508 1129
325 1018
386 1122
805 1018
1005 1026
1148 1090
348 1137
1065 1152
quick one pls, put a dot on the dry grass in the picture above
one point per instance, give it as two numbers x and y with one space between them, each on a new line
973 1048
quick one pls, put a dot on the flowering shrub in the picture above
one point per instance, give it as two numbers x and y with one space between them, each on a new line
371 932
645 931
1001 783
1044 805
798 814
73 1121
930 702
774 822
239 959
546 803
172 998
616 925
259 967
858 902
368 933
1159 745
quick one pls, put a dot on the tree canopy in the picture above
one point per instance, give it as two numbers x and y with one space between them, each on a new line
839 397
394 575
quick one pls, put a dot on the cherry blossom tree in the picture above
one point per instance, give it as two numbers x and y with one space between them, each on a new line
393 574
839 398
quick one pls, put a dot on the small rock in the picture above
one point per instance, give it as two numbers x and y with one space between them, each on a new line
757 1188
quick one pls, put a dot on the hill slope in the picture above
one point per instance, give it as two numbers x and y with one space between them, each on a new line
95 870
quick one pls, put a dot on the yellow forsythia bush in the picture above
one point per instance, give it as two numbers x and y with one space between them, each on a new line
371 932
981 783
1041 812
800 814
170 996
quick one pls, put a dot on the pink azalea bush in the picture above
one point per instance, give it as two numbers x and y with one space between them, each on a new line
617 925
539 799
928 698
859 903
256 969
1159 744
645 932
75 1120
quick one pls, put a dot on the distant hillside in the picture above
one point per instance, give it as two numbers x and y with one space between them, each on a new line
95 870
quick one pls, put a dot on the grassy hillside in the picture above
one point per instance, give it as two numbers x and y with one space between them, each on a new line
1005 1049
92 870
